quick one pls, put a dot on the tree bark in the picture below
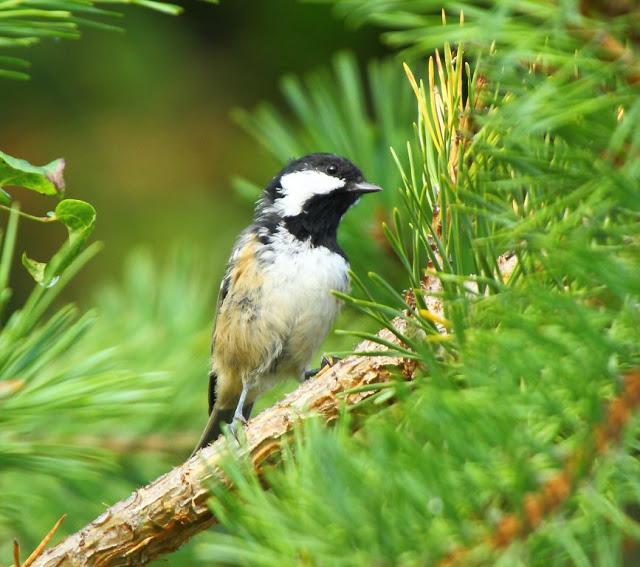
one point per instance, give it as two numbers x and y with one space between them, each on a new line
161 516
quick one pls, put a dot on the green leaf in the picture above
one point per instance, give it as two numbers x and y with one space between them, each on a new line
35 268
78 216
47 179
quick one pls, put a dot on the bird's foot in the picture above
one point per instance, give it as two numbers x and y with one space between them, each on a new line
328 360
237 425
325 361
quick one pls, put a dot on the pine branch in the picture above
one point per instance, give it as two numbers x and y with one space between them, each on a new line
160 517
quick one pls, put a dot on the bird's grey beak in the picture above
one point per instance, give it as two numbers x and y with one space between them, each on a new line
363 187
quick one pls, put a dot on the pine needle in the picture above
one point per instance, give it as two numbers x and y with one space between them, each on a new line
43 544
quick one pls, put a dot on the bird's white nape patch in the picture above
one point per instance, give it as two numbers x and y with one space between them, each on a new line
298 187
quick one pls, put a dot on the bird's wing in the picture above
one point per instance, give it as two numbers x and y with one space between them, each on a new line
222 294
245 340
225 284
246 239
213 376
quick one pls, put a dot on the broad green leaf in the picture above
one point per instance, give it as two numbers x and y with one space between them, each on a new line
47 179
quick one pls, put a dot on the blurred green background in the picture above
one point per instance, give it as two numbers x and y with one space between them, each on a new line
143 121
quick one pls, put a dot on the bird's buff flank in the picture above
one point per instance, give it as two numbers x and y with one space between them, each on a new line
276 305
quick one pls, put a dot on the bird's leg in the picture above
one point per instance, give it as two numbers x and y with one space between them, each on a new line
237 414
325 361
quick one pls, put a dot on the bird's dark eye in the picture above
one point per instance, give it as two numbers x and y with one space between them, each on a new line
332 169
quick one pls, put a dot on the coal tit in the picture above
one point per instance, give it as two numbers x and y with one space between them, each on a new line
275 305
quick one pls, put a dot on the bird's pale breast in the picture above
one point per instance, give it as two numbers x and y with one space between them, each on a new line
300 286
278 310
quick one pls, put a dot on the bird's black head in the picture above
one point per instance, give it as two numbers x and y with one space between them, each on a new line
311 194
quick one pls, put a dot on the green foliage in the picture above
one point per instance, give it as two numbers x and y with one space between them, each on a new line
39 380
67 377
94 405
541 163
46 179
24 23
165 313
78 217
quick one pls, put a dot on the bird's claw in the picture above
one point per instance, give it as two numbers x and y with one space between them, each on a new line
233 427
326 360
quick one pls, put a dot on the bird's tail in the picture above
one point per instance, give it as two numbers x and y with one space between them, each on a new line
211 432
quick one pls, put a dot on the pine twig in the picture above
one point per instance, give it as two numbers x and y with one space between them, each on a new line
163 515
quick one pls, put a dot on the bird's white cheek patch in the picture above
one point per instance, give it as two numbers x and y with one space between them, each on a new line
300 186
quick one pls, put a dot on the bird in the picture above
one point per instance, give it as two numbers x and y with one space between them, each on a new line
275 305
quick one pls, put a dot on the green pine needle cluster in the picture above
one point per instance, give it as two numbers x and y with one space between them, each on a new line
24 23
